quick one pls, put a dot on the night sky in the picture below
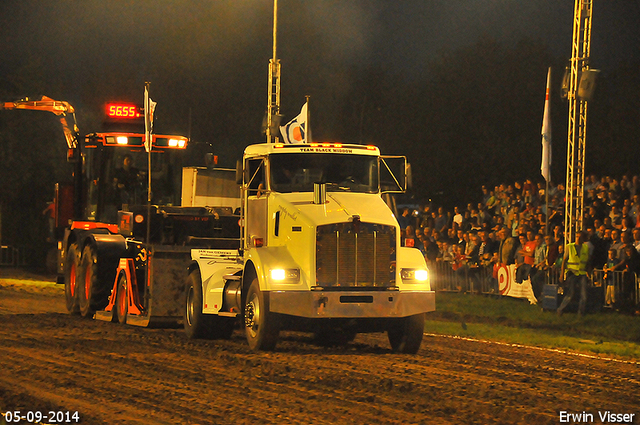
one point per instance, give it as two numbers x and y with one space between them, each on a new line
207 64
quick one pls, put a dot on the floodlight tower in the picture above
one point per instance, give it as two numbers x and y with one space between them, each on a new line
577 132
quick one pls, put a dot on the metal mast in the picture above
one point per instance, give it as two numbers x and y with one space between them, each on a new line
581 48
273 103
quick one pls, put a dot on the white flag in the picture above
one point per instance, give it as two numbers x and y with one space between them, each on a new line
295 131
545 167
149 109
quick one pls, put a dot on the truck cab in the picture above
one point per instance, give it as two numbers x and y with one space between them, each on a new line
320 250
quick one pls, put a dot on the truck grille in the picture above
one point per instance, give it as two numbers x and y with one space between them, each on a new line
355 254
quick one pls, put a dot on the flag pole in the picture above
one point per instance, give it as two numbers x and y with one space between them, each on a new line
308 129
273 104
148 143
545 167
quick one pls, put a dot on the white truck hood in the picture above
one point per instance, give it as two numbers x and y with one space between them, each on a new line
340 207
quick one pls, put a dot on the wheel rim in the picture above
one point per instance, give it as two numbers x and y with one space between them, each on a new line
190 306
87 283
252 315
72 280
122 305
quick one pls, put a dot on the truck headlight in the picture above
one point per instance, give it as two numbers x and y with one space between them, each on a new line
285 275
418 275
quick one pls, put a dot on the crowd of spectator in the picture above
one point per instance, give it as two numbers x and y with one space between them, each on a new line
508 225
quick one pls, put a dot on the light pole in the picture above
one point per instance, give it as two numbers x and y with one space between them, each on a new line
577 133
273 103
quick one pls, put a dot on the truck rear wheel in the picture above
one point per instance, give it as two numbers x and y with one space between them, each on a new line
90 296
405 334
196 323
261 326
92 293
71 265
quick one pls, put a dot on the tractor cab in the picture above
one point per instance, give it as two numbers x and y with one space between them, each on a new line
116 173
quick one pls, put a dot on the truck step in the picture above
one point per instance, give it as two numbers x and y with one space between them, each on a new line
231 277
227 314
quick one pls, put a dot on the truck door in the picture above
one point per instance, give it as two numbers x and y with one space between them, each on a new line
256 207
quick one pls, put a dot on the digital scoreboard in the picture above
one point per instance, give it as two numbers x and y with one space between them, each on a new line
124 112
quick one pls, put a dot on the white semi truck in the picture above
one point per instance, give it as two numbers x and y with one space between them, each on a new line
320 251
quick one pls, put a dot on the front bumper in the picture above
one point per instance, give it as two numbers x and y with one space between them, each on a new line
351 304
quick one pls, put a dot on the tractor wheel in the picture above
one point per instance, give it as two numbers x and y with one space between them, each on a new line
122 299
93 294
71 265
196 323
261 326
405 334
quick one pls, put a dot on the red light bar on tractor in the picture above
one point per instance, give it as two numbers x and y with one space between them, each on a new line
135 139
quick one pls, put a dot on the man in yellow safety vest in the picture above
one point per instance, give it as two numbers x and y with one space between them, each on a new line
576 264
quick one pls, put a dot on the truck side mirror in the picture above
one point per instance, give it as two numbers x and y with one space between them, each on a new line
210 160
395 174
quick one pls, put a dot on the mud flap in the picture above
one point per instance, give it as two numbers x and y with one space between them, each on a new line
162 302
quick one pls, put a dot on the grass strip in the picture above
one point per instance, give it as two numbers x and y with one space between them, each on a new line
515 321
30 284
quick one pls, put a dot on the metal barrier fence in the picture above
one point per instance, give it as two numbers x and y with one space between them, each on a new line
7 255
465 279
619 287
13 257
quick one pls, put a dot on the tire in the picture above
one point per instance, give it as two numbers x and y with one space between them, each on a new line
93 294
262 327
196 323
71 265
122 299
405 334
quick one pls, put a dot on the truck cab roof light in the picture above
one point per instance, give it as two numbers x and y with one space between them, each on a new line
325 145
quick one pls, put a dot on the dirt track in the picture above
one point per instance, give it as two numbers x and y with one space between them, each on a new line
112 374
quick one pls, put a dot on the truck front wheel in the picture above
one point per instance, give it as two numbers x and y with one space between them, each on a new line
261 326
196 323
405 334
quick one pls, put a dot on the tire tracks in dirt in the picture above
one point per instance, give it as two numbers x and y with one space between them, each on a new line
128 375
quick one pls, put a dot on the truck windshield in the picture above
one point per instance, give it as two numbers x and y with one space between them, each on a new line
296 172
128 172
117 176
